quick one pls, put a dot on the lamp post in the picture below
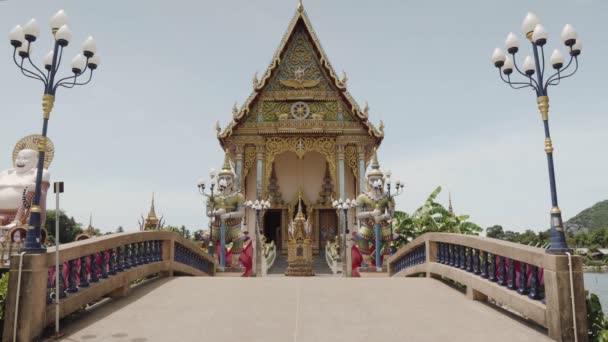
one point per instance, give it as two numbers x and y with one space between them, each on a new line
536 34
260 207
342 207
21 38
201 185
391 195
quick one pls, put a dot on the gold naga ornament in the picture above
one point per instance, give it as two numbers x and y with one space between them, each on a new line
298 82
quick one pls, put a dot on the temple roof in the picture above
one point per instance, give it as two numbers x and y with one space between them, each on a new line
301 18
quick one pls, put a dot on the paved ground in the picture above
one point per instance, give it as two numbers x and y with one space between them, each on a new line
297 309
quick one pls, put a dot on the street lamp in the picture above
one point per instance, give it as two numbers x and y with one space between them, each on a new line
391 195
201 185
21 38
342 207
260 207
537 35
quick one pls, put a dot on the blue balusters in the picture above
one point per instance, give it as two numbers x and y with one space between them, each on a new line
534 291
511 283
111 262
72 288
84 279
469 259
484 265
94 277
523 278
476 262
128 256
502 273
103 264
492 271
119 260
62 293
462 258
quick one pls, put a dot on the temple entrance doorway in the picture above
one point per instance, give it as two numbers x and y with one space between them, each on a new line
328 228
272 227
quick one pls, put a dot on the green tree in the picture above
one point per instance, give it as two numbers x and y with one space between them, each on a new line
183 231
120 229
496 232
511 236
432 217
68 227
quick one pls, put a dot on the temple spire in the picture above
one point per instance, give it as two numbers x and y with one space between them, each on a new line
152 213
375 164
450 209
90 227
300 6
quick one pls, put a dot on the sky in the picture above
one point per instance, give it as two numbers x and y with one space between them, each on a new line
170 69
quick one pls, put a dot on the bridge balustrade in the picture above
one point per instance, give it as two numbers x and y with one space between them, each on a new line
93 269
519 278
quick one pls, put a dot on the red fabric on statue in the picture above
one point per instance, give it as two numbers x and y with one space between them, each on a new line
228 255
246 258
357 259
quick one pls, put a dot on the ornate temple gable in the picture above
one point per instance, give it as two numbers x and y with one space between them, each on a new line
300 92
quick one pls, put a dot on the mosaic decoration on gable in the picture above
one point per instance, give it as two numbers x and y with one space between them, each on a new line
299 68
277 110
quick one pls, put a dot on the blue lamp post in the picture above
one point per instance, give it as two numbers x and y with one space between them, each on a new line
536 34
22 38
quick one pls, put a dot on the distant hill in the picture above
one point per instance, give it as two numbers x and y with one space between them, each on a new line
592 218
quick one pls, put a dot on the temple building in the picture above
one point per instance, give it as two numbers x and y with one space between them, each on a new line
300 131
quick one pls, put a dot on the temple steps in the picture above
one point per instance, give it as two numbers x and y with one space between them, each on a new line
319 265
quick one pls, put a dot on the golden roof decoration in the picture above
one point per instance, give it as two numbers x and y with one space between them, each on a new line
340 84
226 168
375 166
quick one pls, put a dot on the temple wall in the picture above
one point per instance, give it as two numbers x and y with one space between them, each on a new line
294 174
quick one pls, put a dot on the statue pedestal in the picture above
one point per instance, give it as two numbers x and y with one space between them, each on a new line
299 258
230 272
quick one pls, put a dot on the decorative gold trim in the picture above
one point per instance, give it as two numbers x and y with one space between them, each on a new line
548 145
351 156
47 105
543 106
35 209
529 35
300 145
555 210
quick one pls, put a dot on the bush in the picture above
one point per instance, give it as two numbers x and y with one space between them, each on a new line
3 291
596 322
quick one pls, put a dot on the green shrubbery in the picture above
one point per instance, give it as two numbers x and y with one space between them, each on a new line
597 323
3 291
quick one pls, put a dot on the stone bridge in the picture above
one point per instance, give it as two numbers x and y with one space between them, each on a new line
439 287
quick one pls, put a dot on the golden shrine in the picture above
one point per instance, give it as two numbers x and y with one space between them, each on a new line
299 247
299 129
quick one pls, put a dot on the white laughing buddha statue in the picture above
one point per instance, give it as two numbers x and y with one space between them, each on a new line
17 187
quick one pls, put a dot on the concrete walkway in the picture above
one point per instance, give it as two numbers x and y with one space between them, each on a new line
297 309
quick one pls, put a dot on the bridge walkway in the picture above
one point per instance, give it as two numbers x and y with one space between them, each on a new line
297 309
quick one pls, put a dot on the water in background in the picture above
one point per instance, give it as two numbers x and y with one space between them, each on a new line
598 283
